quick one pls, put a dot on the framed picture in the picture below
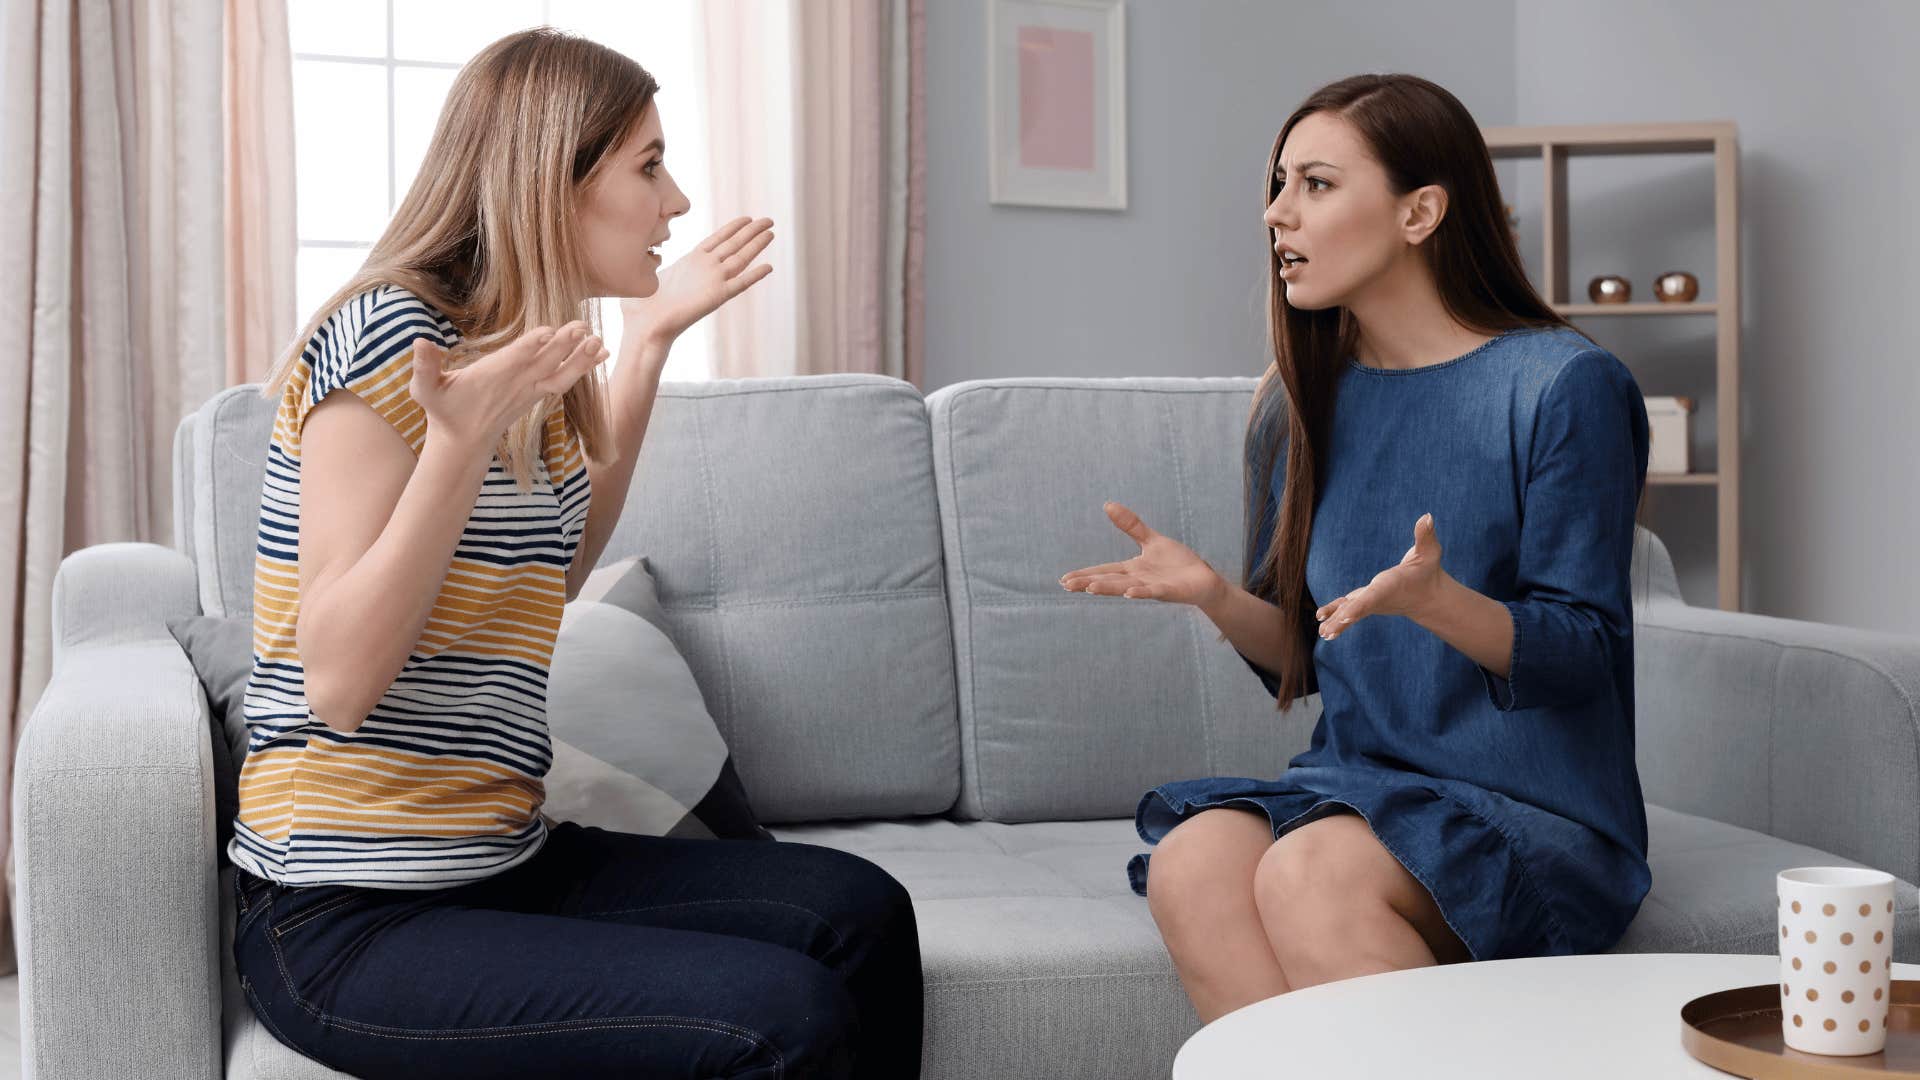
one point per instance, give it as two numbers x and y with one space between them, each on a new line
1057 103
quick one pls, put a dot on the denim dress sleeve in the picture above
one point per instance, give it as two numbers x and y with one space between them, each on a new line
1572 617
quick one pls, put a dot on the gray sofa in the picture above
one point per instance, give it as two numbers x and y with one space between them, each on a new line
864 582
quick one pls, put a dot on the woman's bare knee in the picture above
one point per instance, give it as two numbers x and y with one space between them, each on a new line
1206 860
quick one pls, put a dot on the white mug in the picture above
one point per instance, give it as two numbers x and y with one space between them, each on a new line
1836 959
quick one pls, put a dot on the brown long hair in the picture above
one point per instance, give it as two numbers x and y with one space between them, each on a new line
1421 135
486 233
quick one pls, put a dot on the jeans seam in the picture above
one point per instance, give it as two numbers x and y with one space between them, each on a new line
838 941
510 1031
260 1010
312 913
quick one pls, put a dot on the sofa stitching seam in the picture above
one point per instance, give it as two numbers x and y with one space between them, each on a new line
1209 744
960 549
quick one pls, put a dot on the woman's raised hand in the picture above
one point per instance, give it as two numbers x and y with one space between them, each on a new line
474 405
1406 588
697 283
1165 570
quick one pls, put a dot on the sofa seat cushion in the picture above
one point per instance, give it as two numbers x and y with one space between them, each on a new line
1040 961
1714 890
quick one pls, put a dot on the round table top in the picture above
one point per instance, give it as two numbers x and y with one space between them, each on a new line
1607 1015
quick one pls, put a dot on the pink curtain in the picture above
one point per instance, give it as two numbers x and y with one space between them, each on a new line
113 294
260 231
817 112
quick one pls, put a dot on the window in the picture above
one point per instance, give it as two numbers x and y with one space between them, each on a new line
369 77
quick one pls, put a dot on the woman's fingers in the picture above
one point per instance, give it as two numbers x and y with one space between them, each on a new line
1109 584
757 230
743 282
1352 608
551 349
1080 576
588 351
720 235
1424 538
742 256
1129 522
429 358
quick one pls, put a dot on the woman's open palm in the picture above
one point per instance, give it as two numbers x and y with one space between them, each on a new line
1165 570
475 404
1400 589
719 269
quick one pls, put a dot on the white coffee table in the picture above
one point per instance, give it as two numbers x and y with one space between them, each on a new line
1564 1016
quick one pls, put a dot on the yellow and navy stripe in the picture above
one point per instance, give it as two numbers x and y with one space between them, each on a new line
443 782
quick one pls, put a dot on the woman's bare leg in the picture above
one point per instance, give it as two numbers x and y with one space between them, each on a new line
1335 904
1200 889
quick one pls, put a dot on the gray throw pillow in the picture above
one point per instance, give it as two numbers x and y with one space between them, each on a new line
221 651
634 748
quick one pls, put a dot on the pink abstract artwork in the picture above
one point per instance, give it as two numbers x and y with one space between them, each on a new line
1056 98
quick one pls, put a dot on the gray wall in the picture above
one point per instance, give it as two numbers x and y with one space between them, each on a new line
1824 98
1174 284
1824 101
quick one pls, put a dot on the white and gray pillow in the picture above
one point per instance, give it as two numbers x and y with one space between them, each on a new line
634 748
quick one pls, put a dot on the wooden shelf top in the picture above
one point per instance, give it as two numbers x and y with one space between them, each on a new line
1692 479
1581 311
1583 139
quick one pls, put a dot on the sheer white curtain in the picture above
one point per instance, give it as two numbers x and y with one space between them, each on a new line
112 299
816 109
259 196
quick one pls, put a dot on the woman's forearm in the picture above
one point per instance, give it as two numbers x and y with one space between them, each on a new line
1472 622
635 384
358 626
1252 625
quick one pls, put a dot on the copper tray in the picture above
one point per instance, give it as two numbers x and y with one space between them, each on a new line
1738 1031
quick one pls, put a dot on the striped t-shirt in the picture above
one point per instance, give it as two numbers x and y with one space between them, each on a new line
443 782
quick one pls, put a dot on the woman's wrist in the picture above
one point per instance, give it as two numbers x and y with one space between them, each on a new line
1443 598
1214 600
648 347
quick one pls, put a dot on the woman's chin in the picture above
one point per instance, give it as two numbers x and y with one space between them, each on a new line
1309 299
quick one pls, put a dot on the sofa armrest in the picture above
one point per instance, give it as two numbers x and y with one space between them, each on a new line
116 906
111 593
1806 732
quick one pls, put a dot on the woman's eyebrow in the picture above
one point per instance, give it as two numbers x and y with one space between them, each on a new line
1304 166
659 145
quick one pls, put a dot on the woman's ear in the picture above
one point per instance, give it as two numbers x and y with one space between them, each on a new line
1422 210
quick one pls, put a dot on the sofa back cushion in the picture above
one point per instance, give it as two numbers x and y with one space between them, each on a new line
792 528
1073 706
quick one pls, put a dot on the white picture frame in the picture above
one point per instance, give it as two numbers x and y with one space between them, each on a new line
1057 103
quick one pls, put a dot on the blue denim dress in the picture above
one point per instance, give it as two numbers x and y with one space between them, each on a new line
1514 800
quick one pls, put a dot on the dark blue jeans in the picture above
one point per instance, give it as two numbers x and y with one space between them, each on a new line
606 954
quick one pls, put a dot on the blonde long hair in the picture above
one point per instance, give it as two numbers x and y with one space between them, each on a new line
487 233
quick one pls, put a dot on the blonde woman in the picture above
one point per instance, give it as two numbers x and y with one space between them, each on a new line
447 463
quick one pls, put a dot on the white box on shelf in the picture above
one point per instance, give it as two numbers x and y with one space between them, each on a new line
1667 422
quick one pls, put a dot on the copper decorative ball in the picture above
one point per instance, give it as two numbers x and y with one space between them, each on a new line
1676 287
1610 289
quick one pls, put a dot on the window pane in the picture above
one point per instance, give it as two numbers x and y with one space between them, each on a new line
690 361
318 272
418 94
338 27
340 149
454 30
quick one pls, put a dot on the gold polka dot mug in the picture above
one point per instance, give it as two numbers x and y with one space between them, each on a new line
1836 959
